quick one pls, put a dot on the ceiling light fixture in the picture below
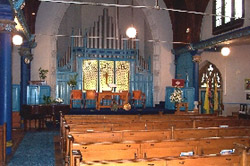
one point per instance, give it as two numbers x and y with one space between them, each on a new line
131 31
17 40
225 51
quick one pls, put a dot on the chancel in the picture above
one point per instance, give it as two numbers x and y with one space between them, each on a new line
139 82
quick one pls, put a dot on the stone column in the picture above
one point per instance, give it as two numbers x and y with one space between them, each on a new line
6 27
196 60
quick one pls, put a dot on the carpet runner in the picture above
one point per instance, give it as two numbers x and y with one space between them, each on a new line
36 149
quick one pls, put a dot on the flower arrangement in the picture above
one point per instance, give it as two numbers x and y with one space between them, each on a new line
58 100
176 96
49 100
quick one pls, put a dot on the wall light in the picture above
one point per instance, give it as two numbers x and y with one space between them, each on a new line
225 51
131 32
17 40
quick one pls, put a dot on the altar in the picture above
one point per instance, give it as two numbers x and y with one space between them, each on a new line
120 98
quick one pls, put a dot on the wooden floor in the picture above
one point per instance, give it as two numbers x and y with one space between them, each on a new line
58 155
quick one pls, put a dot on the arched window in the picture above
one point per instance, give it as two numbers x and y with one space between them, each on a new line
229 14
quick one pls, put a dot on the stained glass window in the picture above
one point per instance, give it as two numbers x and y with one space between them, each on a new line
228 10
238 9
218 13
211 74
228 15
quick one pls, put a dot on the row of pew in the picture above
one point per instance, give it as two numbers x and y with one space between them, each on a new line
154 140
2 144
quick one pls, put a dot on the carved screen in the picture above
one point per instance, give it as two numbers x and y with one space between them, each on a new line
111 73
90 74
122 75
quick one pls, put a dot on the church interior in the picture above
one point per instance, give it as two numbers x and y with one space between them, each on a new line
124 83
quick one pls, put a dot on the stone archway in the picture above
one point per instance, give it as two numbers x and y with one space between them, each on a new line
210 74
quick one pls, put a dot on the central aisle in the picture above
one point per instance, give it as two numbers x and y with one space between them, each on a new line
36 149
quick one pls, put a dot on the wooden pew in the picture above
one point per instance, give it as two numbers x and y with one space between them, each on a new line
79 119
145 150
167 134
129 118
119 127
3 144
133 118
156 135
146 126
217 160
73 119
210 132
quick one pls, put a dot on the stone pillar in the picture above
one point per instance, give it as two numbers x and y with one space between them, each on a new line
6 27
196 60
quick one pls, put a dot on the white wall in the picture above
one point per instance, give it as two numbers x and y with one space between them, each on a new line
48 21
71 19
234 68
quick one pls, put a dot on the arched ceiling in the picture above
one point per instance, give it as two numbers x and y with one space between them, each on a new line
182 21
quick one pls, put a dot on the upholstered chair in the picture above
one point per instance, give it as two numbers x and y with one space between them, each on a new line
76 95
138 97
91 96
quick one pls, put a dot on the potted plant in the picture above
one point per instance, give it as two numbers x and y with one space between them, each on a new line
47 100
72 82
42 73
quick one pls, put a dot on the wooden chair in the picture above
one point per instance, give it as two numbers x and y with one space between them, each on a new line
138 96
76 95
91 95
124 98
107 98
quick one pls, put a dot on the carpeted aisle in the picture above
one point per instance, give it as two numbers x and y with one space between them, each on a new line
36 149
